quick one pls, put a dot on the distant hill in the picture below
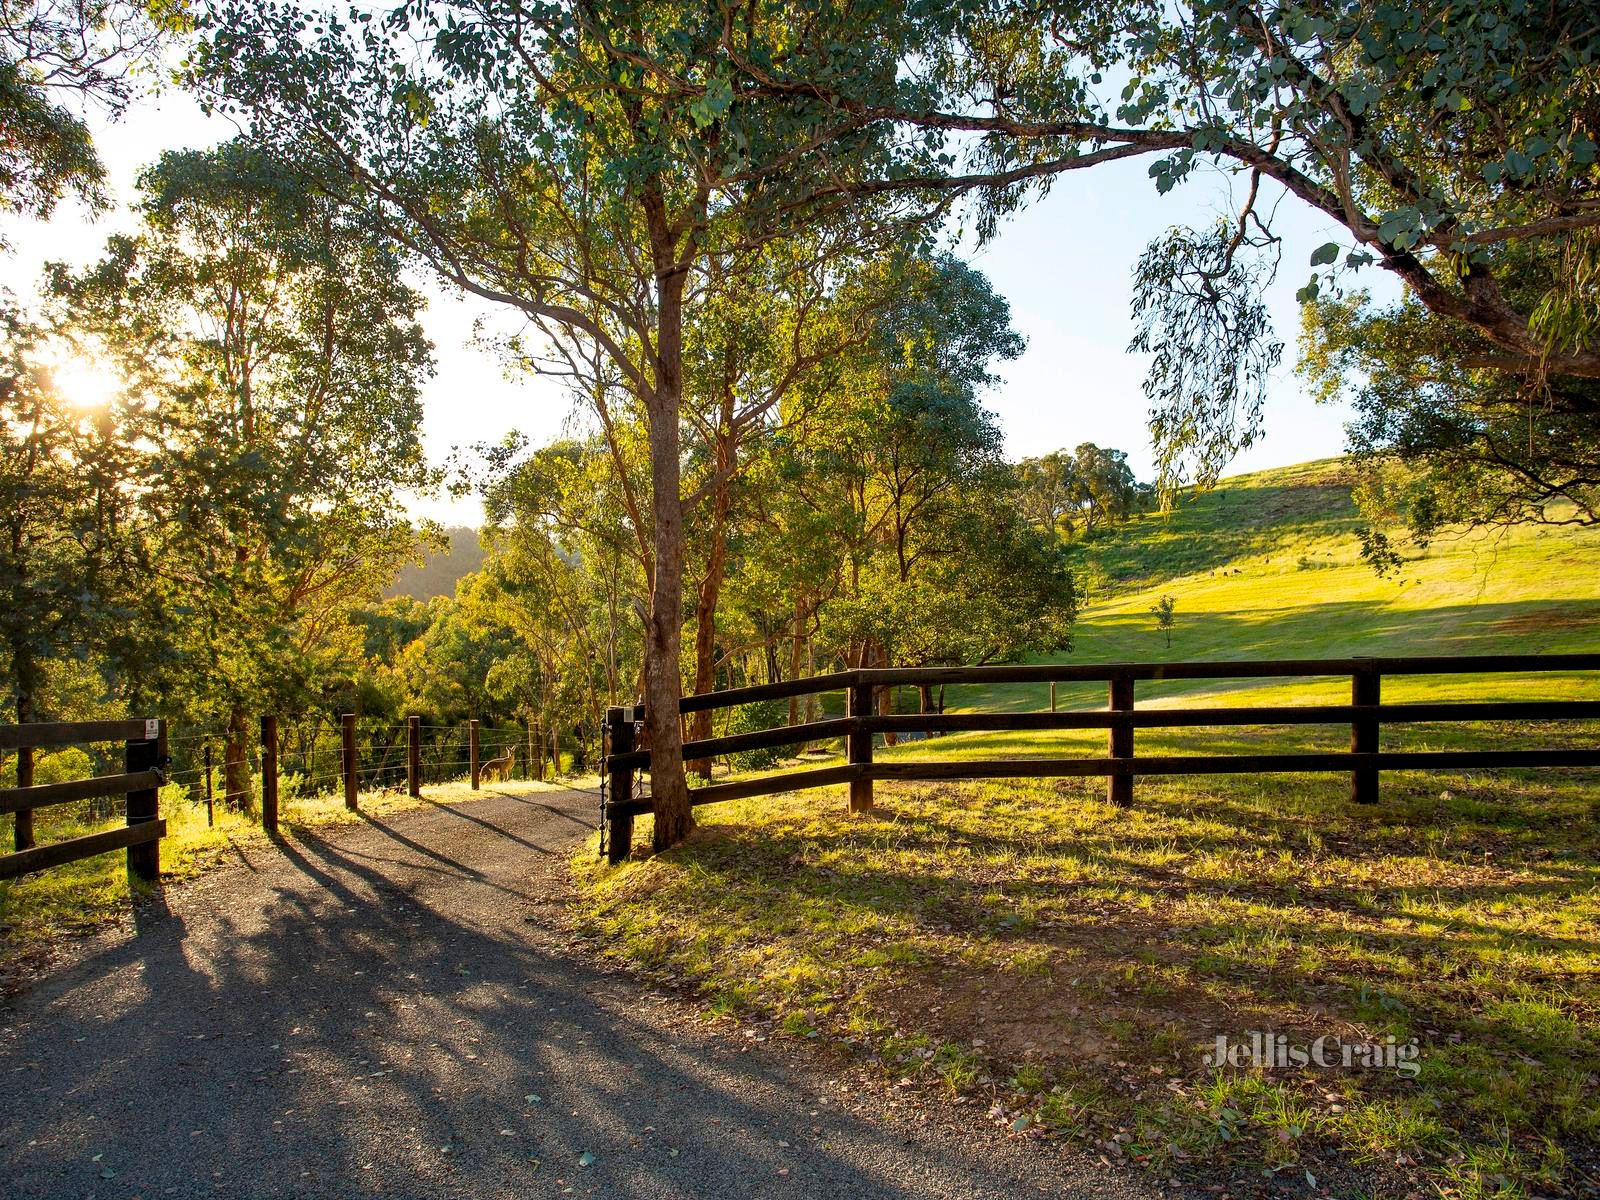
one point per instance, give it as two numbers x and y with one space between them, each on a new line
438 573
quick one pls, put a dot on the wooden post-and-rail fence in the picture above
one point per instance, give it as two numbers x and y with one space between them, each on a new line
350 763
1365 716
144 766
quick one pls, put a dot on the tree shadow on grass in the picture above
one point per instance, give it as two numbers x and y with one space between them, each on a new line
1337 629
1225 897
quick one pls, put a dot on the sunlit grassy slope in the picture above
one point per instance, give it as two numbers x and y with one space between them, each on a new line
1268 566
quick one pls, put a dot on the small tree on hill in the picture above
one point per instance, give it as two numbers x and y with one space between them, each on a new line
1164 610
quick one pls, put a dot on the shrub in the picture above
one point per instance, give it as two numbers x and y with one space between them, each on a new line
747 718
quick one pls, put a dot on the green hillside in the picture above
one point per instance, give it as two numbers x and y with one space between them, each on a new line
1268 566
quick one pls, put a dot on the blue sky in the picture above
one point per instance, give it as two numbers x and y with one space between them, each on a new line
1064 264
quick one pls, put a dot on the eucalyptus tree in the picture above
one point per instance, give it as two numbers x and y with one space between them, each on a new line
1436 438
1437 137
72 549
946 567
769 349
586 166
278 352
910 458
1047 487
1104 487
564 572
58 57
767 332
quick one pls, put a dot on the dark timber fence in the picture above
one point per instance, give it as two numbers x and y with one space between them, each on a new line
1365 715
145 760
292 763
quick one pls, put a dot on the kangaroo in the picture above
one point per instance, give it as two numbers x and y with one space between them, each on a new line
497 769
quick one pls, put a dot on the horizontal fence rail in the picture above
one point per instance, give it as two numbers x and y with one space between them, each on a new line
293 758
1365 716
145 762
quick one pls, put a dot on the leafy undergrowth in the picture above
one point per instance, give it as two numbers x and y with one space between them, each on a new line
38 910
1025 947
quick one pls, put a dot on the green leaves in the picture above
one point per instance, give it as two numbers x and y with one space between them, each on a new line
713 104
1204 324
1172 170
90 51
278 444
1324 254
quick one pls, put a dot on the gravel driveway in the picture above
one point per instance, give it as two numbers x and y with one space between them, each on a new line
392 1009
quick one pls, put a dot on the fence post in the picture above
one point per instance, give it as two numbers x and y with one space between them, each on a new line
535 767
1365 690
472 751
347 746
858 746
23 829
211 811
1119 787
414 757
619 824
269 775
1052 695
144 805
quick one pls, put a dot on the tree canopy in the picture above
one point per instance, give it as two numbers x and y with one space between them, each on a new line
1439 137
56 58
276 361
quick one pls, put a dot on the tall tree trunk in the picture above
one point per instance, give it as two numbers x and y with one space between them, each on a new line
796 646
27 685
811 669
24 665
235 759
925 703
664 627
886 708
705 613
886 701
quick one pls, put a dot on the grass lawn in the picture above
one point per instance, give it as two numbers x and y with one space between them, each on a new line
1065 966
1028 947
